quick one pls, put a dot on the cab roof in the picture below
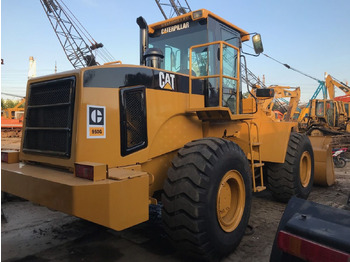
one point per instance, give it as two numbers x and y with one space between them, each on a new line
194 15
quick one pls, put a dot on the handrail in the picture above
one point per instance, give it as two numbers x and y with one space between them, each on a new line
220 75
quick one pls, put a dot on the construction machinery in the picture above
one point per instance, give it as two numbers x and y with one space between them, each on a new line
326 116
331 83
77 43
347 109
345 98
173 8
12 118
11 127
15 112
281 92
306 110
104 142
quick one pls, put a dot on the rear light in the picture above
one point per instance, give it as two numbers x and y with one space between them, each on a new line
91 171
309 250
10 157
84 171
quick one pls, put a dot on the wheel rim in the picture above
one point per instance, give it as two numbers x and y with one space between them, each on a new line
316 132
305 169
230 200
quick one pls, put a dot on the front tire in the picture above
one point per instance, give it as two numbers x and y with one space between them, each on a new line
296 175
207 197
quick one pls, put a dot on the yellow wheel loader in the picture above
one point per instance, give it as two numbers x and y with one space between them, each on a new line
104 142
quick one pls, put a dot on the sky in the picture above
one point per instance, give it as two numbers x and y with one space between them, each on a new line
312 36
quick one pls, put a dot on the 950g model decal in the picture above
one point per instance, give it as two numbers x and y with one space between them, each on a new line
96 121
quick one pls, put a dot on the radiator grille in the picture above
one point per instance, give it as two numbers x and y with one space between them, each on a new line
49 117
133 116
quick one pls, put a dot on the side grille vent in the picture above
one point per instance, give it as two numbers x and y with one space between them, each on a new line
133 119
49 117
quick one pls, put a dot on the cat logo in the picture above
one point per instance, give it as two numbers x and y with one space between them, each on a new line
96 116
96 122
166 81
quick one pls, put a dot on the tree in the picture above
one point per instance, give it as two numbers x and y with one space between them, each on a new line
8 103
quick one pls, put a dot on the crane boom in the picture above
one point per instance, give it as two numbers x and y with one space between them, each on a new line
8 94
175 7
249 78
76 48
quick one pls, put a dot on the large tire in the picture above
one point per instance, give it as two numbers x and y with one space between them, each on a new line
207 198
296 175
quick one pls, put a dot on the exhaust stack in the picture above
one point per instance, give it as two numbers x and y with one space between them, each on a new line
143 38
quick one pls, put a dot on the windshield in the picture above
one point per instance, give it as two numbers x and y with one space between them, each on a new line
175 41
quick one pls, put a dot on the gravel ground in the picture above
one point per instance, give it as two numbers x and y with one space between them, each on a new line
35 233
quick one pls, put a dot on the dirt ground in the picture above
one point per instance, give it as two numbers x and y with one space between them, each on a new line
10 143
35 233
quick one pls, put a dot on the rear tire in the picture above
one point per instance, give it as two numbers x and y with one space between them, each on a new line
207 198
296 175
340 162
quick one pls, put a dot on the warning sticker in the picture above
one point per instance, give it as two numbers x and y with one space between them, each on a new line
96 122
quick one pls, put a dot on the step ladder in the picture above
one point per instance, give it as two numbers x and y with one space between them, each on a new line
254 150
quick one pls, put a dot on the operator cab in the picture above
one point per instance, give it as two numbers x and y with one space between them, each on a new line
207 48
174 38
325 110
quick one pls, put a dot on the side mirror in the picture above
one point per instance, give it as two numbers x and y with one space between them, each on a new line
258 46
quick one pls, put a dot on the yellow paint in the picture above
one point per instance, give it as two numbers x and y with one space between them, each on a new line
99 170
96 131
219 76
9 156
336 120
324 167
267 104
305 111
330 83
249 105
230 202
305 169
168 86
10 113
111 203
189 16
123 173
120 198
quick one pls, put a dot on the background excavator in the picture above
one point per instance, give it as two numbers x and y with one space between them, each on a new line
285 109
326 116
12 118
